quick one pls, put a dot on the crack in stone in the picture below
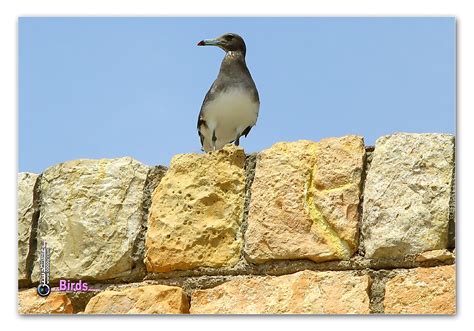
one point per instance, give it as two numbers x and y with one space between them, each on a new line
250 168
377 289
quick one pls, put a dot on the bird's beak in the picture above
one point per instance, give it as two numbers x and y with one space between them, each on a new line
210 42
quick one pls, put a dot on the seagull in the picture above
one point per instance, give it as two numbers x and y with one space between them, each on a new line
230 107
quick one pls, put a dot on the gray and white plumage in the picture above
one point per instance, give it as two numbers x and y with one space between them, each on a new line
230 108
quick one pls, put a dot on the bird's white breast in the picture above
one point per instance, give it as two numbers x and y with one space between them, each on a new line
229 113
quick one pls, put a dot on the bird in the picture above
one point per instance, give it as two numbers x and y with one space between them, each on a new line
230 107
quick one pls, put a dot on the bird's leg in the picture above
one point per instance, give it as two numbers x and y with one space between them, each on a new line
214 138
237 141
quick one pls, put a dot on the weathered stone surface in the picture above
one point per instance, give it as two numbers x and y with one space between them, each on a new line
29 302
147 299
305 199
196 212
91 214
438 255
27 208
422 291
407 193
305 292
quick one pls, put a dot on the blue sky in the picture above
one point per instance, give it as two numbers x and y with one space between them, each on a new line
111 87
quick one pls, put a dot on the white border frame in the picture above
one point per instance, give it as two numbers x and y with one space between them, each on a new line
9 12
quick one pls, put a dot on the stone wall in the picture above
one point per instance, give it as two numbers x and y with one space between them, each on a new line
329 227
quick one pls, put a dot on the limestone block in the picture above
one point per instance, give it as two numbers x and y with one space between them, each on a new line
407 193
196 212
305 292
436 255
146 299
29 302
422 291
27 208
90 216
305 199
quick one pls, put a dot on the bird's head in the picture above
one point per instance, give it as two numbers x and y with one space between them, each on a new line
229 42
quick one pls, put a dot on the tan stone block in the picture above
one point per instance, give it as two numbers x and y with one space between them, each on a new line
27 208
436 255
196 212
146 299
305 292
407 195
90 217
29 302
305 199
422 291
